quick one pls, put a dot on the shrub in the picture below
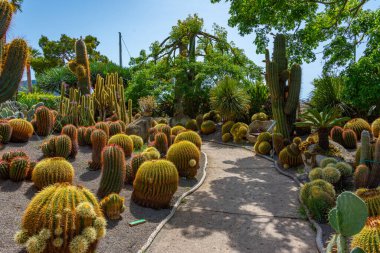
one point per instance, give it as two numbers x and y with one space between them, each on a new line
51 101
259 97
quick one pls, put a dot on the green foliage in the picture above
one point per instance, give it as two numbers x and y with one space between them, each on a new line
30 99
259 97
230 99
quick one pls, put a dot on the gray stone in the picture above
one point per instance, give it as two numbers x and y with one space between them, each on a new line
140 127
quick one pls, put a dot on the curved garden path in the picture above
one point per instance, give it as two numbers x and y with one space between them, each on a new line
243 206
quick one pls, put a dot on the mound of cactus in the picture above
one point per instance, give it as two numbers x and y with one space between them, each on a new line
113 170
371 197
326 161
72 226
226 127
199 120
239 131
124 141
213 116
319 197
44 121
290 156
189 136
138 142
99 141
87 135
358 125
349 139
112 206
263 143
284 86
344 168
191 125
72 132
59 146
52 170
155 184
208 127
185 156
367 174
278 142
15 165
22 130
375 127
259 116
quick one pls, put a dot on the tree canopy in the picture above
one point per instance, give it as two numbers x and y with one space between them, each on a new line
187 64
58 53
340 25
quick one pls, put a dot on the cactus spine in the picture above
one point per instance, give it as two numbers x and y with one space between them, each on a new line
99 141
285 98
113 206
81 67
113 170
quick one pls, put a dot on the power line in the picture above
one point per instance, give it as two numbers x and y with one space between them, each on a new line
122 39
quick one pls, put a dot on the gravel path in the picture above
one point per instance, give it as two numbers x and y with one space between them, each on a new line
120 238
243 206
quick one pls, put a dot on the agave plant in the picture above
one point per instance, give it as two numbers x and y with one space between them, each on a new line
323 121
230 99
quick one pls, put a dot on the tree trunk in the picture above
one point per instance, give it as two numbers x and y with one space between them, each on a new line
29 78
323 136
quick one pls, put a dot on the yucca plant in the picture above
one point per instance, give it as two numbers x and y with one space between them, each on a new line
323 121
230 99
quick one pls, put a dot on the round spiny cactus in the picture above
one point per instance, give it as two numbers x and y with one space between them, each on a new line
136 162
8 156
138 142
112 206
371 197
52 170
99 141
336 134
87 135
44 121
72 132
199 120
115 128
226 128
349 139
315 174
177 129
81 136
344 168
264 136
62 146
124 141
288 159
227 137
113 170
185 156
239 131
123 125
375 127
326 161
264 148
161 143
167 131
18 168
369 238
151 153
22 130
75 225
331 174
357 125
5 132
189 136
103 126
259 116
155 184
208 127
192 125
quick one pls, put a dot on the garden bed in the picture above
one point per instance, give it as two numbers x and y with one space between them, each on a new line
120 237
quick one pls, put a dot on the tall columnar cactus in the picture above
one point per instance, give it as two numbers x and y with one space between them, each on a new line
189 136
284 86
124 141
5 132
44 121
130 110
74 225
185 156
155 184
81 67
161 143
99 141
113 170
113 206
81 136
52 170
72 132
18 168
22 130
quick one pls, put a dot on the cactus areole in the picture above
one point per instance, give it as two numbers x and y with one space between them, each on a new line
284 86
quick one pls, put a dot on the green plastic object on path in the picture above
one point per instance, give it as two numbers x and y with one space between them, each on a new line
137 222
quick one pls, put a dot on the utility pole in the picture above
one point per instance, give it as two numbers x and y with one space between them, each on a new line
120 51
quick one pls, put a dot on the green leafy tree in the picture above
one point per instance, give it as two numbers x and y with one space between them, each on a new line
58 53
340 25
187 64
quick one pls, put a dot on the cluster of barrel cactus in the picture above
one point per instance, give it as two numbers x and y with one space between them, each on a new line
263 144
71 226
346 137
358 125
112 206
16 166
261 116
239 131
290 156
57 146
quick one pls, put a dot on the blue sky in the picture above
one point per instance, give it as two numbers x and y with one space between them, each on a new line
140 21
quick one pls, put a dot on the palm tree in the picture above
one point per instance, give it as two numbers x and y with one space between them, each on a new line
323 121
33 53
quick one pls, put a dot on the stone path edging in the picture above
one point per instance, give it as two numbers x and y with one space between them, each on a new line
175 207
318 238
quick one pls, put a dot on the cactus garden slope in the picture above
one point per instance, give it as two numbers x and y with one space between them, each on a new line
14 198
